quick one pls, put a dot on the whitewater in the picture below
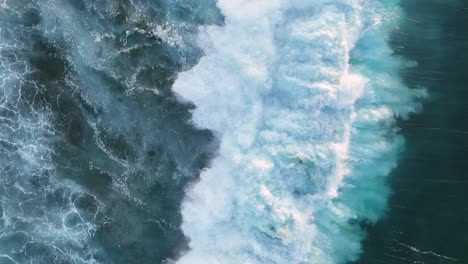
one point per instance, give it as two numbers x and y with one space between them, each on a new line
304 98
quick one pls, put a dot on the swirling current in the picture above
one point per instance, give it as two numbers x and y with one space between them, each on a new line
197 132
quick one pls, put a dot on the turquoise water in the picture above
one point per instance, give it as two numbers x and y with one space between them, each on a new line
230 131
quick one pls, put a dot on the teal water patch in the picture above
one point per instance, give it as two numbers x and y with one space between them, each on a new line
303 98
426 222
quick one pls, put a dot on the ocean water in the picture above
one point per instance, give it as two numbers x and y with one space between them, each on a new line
427 216
95 149
232 131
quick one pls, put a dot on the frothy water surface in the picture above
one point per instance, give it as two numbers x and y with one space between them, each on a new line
95 150
304 98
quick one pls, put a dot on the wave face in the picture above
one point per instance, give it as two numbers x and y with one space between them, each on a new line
303 97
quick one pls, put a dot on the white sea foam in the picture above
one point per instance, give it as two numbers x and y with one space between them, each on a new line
306 136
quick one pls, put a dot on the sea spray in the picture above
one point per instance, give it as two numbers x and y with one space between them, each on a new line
304 98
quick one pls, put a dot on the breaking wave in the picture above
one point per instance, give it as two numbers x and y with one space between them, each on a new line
303 97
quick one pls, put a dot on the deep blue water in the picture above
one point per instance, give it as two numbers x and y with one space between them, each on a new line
231 131
427 217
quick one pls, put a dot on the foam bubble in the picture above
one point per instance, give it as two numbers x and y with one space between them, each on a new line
306 137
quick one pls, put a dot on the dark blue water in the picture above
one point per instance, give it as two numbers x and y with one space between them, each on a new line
428 215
